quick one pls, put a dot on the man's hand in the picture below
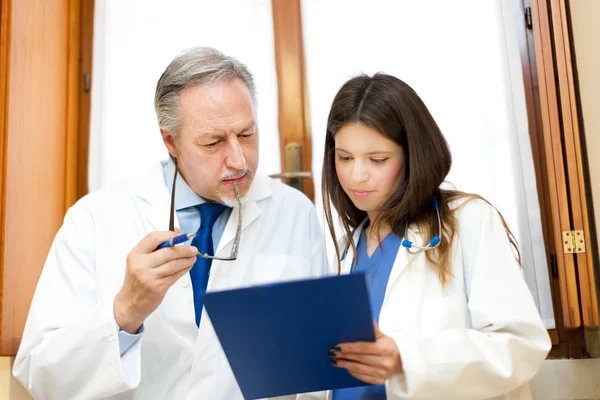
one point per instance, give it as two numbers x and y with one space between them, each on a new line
371 362
148 276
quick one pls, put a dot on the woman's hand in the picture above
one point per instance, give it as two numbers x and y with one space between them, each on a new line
371 362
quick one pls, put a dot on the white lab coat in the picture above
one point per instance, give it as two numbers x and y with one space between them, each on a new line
70 347
478 337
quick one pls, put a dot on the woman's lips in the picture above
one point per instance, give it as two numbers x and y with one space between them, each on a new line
362 193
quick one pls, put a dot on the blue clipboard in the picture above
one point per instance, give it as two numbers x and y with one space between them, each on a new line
277 337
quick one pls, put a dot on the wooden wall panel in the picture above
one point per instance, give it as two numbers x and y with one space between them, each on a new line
42 56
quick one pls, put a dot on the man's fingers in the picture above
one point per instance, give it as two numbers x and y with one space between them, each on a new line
151 241
165 255
174 267
175 277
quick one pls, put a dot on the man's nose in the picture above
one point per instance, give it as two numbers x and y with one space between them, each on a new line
235 159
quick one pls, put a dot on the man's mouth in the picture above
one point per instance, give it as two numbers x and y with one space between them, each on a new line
236 179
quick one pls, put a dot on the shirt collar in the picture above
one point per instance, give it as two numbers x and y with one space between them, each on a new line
185 197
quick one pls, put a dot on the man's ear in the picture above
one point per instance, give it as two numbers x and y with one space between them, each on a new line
169 142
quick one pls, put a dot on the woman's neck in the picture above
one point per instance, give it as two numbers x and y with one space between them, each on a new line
383 228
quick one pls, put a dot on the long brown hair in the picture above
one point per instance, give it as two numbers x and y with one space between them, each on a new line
391 107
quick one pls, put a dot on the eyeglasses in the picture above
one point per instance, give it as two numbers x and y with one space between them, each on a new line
238 232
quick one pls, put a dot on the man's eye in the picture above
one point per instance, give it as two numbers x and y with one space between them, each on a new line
212 144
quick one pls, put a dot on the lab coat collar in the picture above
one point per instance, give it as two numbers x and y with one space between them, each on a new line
152 190
403 257
156 198
259 190
185 197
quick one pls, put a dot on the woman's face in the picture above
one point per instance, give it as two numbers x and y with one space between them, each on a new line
369 166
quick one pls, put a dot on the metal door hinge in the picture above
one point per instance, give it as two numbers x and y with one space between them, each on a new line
573 242
528 19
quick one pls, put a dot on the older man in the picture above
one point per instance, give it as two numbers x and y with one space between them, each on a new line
114 317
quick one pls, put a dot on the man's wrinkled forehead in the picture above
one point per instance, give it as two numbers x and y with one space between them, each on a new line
217 101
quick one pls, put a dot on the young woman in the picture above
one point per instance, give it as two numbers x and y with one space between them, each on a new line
455 319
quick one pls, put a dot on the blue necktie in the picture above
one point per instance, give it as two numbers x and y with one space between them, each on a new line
209 212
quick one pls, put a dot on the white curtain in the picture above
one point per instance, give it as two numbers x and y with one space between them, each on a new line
462 58
134 41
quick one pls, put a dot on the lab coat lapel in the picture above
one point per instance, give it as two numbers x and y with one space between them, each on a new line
403 258
154 199
259 190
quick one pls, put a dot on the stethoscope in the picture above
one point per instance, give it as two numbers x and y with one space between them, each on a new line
410 246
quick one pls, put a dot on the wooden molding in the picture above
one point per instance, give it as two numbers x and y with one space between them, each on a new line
294 122
557 184
85 100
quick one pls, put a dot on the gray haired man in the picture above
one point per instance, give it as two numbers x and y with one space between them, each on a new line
112 316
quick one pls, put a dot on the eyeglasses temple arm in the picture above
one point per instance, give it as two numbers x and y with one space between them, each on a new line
172 212
236 242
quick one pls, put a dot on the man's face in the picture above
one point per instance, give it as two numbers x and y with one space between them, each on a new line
218 141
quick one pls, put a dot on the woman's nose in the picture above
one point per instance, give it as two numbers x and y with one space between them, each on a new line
359 172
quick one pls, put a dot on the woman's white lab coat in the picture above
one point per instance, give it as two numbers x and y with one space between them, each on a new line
478 337
70 347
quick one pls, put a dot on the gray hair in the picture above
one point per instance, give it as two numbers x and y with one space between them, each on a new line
191 67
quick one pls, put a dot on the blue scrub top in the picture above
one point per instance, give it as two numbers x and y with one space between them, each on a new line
377 270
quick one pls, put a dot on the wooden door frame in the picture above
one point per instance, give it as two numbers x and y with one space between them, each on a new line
593 232
577 168
532 100
294 119
86 52
81 19
5 7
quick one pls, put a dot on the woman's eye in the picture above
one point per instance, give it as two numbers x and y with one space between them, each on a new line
379 160
343 158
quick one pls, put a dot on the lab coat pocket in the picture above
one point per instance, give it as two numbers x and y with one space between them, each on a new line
441 313
279 268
